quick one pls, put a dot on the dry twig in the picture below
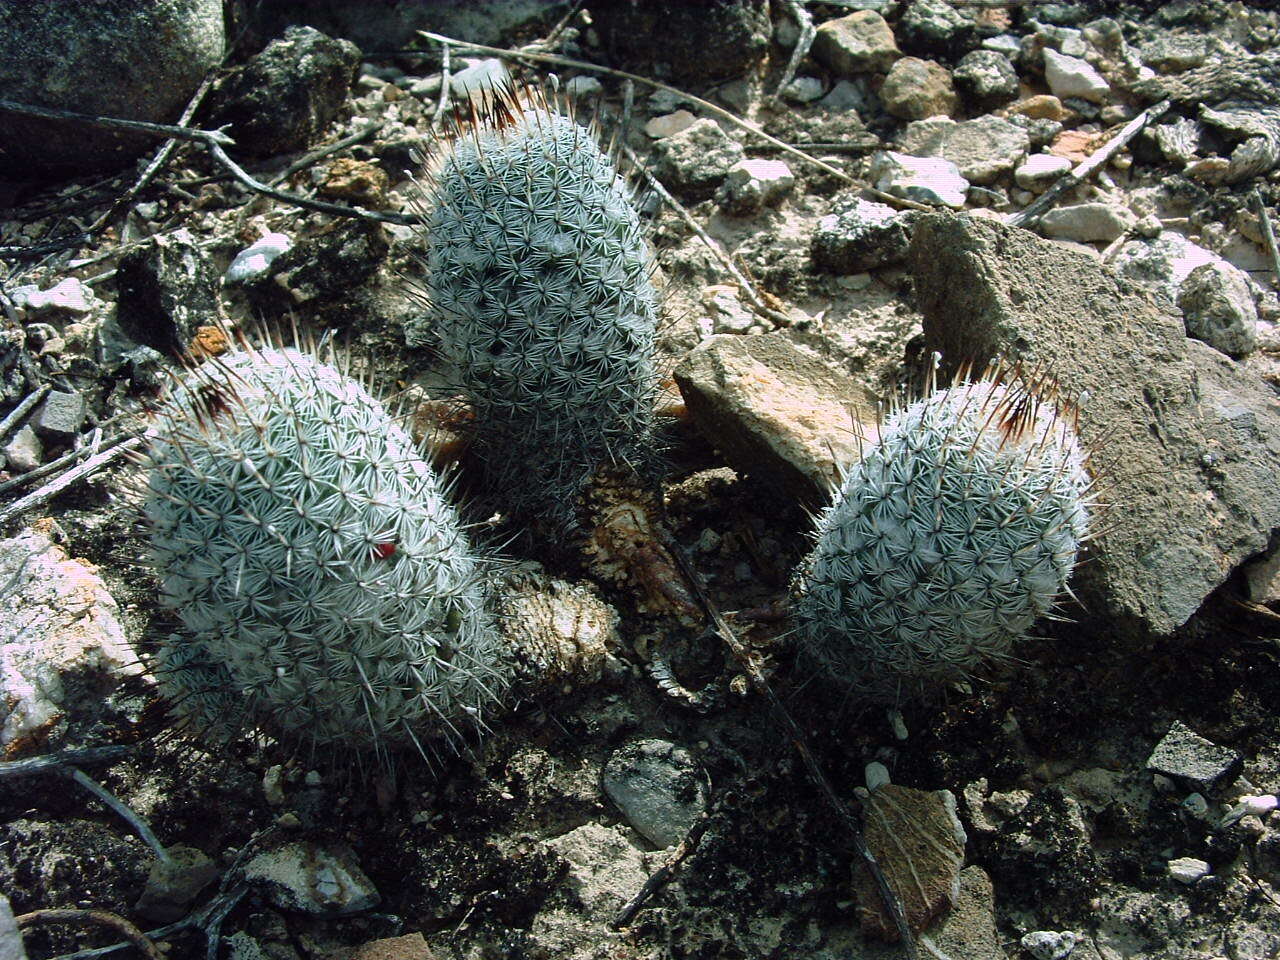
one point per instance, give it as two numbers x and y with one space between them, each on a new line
805 22
52 489
141 826
319 153
53 762
53 466
1268 235
165 130
96 917
1085 169
660 877
22 409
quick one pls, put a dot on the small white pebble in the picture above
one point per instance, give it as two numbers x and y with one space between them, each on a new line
877 775
1049 944
1196 805
255 259
313 778
1188 869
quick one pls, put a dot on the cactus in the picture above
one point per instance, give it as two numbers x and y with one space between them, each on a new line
539 292
957 530
326 589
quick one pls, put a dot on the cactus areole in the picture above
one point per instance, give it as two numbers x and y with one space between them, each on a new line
326 590
957 530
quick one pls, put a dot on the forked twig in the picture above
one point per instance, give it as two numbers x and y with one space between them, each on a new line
660 877
165 130
805 22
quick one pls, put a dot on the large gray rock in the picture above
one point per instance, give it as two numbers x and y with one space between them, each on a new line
982 149
10 937
695 161
860 235
133 59
1187 446
167 290
285 97
859 43
1217 305
659 788
915 89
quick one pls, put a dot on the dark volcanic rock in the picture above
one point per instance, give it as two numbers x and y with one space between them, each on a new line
1186 445
133 59
167 290
283 98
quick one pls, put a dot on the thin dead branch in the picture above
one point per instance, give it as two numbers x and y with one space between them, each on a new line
1083 170
805 22
662 876
622 74
53 466
1268 235
140 826
319 153
53 762
102 918
22 409
165 130
52 489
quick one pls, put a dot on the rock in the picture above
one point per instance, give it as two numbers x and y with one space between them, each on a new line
659 787
1041 132
325 267
565 634
876 775
1178 140
1049 944
751 185
410 946
10 937
986 79
859 235
584 87
1189 758
775 412
1262 576
968 931
858 43
918 841
934 28
1040 171
1042 106
695 161
166 291
60 415
804 90
319 879
1188 869
254 260
930 180
915 89
605 870
983 150
1087 222
683 42
173 885
670 124
24 451
102 59
358 181
63 645
728 315
1217 306
1073 77
285 97
852 96
477 77
69 296
1192 443
1170 52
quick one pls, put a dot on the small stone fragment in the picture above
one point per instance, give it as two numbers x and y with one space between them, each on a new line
1170 52
876 775
776 412
696 160
803 90
1042 106
174 884
1188 757
1262 575
24 451
935 28
1188 869
751 185
60 415
915 89
11 947
659 788
983 150
986 79
858 43
1040 171
584 88
322 880
324 267
411 946
670 124
728 315
166 290
1087 222
273 785
1073 77
1217 306
359 181
918 841
256 259
930 180
859 235
1050 944
67 296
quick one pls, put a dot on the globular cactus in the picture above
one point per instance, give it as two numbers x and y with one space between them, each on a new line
325 586
957 530
540 296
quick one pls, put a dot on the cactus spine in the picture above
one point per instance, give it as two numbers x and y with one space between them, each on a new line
326 589
541 299
957 530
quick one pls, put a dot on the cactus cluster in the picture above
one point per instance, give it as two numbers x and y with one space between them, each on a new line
326 588
957 530
540 295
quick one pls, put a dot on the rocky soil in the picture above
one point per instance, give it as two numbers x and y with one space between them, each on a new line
1112 795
